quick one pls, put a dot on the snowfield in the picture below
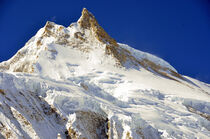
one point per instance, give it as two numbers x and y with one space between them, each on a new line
63 84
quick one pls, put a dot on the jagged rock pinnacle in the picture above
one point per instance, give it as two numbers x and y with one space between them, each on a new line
88 21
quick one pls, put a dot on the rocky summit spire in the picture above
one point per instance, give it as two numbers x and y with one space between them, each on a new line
88 21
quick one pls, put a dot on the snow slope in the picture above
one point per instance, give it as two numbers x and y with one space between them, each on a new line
78 82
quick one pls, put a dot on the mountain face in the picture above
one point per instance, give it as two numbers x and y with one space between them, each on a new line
78 82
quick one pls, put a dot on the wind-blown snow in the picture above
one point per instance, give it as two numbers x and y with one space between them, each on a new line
143 55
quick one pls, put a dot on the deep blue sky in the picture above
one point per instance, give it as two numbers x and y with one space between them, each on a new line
175 30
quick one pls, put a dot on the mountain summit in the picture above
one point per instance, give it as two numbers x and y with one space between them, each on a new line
85 34
78 82
88 21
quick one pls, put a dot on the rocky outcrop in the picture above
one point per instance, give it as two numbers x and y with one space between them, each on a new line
88 125
88 21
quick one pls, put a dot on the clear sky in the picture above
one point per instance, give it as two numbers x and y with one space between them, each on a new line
176 30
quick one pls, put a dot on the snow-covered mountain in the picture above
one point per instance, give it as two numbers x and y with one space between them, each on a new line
78 82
